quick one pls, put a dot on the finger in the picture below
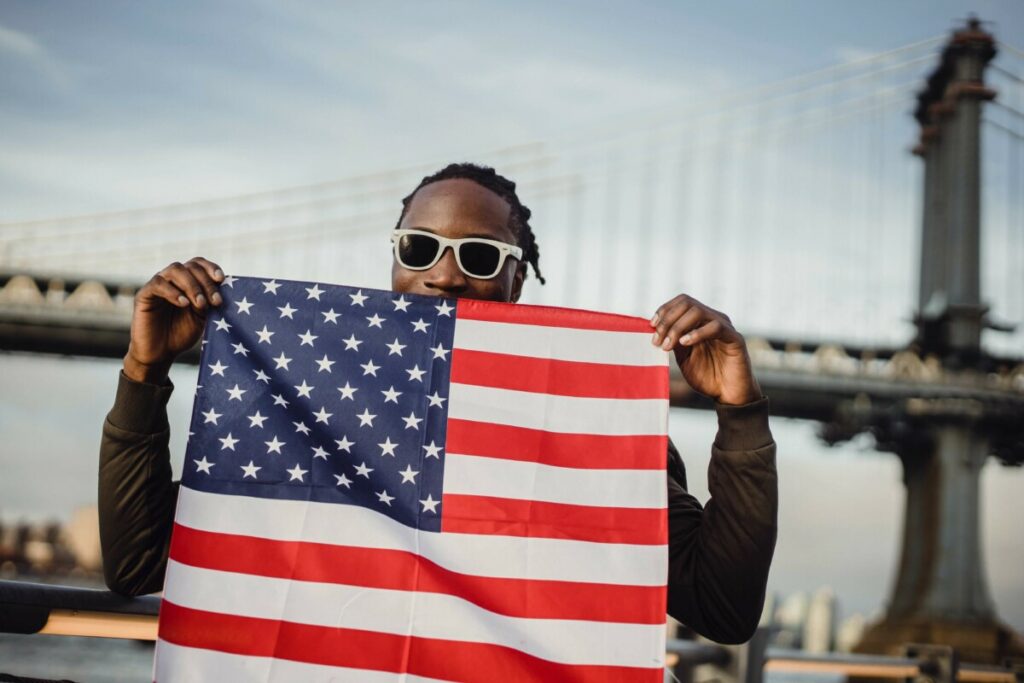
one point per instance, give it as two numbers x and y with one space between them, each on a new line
686 322
160 287
187 283
202 276
669 316
663 310
215 272
703 333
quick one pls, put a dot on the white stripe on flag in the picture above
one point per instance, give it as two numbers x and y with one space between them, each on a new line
482 476
476 554
570 414
177 663
425 615
560 343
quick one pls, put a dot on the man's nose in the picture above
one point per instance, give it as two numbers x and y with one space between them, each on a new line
446 274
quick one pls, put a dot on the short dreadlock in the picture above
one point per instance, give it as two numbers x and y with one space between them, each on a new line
485 176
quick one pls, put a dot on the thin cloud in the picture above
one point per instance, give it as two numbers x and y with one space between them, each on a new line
26 49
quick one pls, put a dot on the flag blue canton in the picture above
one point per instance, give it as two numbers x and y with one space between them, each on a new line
324 393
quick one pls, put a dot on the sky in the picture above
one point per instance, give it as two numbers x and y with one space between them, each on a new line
133 104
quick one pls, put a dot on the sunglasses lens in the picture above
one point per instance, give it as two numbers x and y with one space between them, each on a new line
417 251
479 260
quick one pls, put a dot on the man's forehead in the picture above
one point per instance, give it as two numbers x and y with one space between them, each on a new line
458 204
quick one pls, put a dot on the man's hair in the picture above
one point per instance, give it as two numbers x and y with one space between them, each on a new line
485 176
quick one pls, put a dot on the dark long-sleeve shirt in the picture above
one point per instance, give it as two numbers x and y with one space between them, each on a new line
719 553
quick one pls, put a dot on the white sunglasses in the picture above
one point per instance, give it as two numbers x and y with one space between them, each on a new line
477 257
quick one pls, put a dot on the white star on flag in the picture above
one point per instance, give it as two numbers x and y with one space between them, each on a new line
401 304
387 448
264 335
344 444
429 504
330 316
420 326
217 368
307 338
211 416
444 309
282 361
395 348
274 446
297 473
409 475
325 364
256 420
375 321
250 470
314 292
385 498
287 311
270 287
227 442
203 465
358 298
243 306
348 391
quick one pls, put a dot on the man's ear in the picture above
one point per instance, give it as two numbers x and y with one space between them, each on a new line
517 283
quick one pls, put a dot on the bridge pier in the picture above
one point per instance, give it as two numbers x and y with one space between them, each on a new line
941 595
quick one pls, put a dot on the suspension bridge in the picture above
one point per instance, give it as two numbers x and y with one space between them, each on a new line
862 224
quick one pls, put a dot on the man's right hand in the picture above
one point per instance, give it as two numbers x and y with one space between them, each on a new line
169 316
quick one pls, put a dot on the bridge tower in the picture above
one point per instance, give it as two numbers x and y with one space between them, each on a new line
941 593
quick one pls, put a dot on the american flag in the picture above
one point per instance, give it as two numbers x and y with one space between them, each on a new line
385 487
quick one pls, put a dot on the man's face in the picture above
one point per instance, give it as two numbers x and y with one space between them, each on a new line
459 208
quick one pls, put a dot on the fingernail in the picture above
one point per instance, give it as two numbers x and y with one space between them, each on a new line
654 339
654 320
685 339
666 345
201 300
219 274
216 299
182 300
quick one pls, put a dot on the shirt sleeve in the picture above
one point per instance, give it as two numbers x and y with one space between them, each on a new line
136 495
720 553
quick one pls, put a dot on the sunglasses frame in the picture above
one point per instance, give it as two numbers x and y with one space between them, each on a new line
504 250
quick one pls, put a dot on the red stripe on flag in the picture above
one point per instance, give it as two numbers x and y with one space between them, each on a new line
401 570
549 316
513 517
450 660
560 377
584 451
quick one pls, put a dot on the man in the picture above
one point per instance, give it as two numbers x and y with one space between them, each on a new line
719 554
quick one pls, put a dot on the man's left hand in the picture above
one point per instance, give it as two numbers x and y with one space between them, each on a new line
711 354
